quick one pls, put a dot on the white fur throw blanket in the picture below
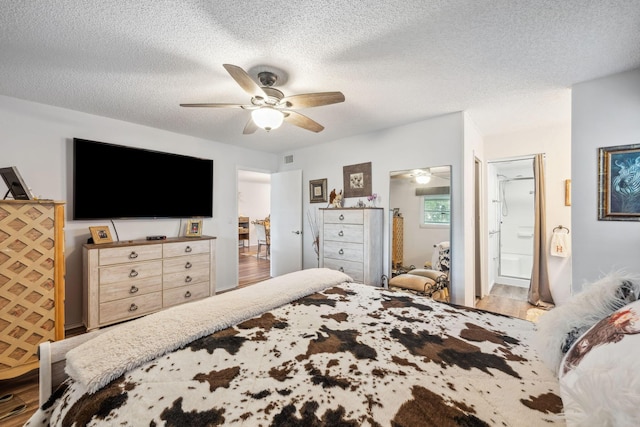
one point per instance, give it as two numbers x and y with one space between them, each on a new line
558 329
100 360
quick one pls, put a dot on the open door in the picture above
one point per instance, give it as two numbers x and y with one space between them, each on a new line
286 222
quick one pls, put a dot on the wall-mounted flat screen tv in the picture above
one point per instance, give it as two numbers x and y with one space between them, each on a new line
117 182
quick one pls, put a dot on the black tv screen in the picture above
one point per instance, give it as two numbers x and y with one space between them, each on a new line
115 182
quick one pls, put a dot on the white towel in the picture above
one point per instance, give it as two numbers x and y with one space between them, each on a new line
560 244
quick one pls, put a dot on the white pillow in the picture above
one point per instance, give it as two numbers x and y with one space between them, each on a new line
561 326
600 374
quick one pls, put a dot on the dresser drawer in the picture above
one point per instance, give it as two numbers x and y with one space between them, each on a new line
186 263
344 216
354 270
344 232
185 294
130 272
110 256
116 311
344 251
186 248
182 278
130 288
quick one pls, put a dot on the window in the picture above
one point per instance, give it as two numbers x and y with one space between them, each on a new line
436 209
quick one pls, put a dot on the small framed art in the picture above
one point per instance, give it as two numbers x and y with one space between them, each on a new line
357 180
194 228
619 183
318 190
101 234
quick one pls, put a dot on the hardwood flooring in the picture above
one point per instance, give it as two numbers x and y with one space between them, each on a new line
505 299
252 269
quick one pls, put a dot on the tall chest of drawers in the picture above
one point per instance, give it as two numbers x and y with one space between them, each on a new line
32 269
351 241
127 280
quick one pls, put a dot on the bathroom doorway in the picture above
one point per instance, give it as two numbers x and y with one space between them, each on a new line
511 192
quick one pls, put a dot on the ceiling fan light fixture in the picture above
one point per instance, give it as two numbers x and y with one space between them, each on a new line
267 118
423 179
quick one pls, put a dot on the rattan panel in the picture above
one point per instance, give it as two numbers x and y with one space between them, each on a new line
397 249
31 281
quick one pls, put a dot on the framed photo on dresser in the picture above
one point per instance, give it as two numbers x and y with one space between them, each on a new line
101 234
194 228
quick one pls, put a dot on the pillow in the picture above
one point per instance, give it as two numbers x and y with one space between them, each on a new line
600 374
413 282
560 327
431 274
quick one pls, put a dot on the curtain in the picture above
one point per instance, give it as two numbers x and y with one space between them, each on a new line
539 289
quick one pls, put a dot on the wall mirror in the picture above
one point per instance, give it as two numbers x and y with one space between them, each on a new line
420 217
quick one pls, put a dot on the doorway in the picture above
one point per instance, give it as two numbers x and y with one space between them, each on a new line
254 205
511 191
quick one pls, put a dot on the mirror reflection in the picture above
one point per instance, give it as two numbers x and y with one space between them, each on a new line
420 229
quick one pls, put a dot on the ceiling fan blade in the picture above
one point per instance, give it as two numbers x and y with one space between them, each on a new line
312 99
245 81
302 121
214 105
250 127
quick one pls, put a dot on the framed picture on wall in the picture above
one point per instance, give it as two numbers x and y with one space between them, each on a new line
357 180
619 183
318 190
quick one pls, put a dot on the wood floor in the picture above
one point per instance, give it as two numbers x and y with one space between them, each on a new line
508 300
251 268
503 299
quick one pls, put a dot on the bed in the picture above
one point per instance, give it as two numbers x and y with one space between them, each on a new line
308 348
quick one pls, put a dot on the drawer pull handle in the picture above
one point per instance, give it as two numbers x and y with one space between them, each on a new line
341 269
341 233
188 279
341 252
133 273
133 290
341 217
187 294
133 255
133 307
188 265
188 249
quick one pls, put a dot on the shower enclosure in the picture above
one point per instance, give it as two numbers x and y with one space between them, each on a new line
511 221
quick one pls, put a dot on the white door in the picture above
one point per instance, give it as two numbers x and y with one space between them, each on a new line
286 222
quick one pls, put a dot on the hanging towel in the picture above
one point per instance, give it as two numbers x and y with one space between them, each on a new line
560 244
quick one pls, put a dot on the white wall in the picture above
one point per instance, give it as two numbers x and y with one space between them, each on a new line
254 202
555 143
465 206
37 139
605 112
433 142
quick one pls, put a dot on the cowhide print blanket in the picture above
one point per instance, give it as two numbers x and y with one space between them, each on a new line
349 355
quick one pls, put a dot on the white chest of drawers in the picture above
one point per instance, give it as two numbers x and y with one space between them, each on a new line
351 241
127 280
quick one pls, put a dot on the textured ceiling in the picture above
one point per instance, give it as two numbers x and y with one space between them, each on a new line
508 63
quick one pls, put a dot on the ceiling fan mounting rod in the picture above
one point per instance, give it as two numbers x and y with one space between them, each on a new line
267 78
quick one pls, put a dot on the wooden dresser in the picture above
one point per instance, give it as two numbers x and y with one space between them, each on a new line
126 280
243 230
351 242
31 281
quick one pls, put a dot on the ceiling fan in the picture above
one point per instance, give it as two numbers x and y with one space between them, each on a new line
269 107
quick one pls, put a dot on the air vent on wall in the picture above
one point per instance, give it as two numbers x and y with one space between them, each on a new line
288 159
